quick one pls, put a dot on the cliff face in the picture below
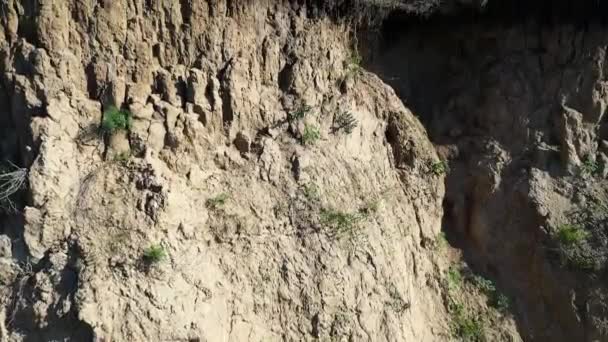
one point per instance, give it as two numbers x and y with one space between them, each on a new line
229 171
270 219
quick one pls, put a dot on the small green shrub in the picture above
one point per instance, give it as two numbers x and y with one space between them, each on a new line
495 298
154 254
484 285
580 243
590 167
441 241
115 120
439 168
311 135
217 201
454 278
571 234
501 302
340 222
344 121
299 113
464 326
354 64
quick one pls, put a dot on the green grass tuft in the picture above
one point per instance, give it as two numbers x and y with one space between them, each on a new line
454 278
441 241
217 201
115 120
154 254
439 168
341 223
590 167
311 135
571 234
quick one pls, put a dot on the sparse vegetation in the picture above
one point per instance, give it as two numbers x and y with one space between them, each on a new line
464 326
570 234
439 168
299 113
454 278
501 302
154 254
582 243
441 241
468 321
495 298
311 135
339 222
590 167
12 179
217 201
484 285
344 121
354 64
115 120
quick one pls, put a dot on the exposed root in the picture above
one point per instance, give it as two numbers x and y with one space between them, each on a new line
11 182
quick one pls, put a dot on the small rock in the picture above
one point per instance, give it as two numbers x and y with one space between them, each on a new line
270 161
5 247
119 144
189 108
171 114
156 136
8 272
274 132
198 177
187 230
166 87
142 111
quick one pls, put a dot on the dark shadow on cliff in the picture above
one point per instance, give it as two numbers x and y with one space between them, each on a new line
486 85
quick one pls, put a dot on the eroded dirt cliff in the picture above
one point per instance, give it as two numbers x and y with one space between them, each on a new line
273 221
229 171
